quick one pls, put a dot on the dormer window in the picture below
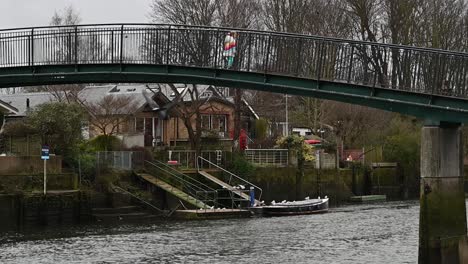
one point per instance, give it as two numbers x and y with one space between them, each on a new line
206 94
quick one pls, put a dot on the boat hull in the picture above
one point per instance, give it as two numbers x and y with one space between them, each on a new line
296 209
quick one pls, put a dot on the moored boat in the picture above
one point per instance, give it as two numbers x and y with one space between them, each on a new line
308 206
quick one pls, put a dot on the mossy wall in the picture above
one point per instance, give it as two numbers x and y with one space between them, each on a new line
466 178
386 181
29 164
20 210
8 212
280 184
34 182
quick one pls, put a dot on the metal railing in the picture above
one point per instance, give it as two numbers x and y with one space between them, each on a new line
267 157
396 67
229 177
188 158
123 160
188 185
119 189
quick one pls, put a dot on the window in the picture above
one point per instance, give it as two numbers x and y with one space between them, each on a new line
206 94
148 126
219 123
139 124
205 122
215 122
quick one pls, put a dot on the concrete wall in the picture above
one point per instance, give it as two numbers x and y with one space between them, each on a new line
9 212
19 211
34 182
325 161
388 181
29 164
280 184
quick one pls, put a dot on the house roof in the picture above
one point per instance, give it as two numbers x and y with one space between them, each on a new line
141 94
18 101
249 107
7 108
203 91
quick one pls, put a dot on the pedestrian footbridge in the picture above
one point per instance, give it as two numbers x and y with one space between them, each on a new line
430 84
427 83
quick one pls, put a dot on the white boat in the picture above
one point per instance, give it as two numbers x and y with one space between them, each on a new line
308 206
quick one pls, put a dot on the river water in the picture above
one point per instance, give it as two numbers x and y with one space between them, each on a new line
380 233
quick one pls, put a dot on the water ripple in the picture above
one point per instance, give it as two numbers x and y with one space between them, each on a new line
385 233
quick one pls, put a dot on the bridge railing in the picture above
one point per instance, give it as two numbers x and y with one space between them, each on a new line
419 70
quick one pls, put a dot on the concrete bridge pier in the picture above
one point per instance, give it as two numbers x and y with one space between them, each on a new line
442 219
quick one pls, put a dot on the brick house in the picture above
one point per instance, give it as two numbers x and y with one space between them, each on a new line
153 124
149 123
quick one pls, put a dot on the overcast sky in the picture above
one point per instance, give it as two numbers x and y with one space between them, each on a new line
27 13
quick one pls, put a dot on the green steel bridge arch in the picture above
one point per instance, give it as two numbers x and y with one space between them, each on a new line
430 84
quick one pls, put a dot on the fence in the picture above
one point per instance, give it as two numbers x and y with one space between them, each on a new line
29 145
188 158
123 160
412 69
268 157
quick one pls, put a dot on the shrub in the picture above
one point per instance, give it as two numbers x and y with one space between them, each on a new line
240 166
295 142
261 128
106 143
18 128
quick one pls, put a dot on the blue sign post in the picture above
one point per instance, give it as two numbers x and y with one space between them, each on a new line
45 152
252 196
45 157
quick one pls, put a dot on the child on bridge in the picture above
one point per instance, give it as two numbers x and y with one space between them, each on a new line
229 51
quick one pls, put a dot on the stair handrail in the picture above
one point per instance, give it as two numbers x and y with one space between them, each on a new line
190 188
230 173
156 162
138 198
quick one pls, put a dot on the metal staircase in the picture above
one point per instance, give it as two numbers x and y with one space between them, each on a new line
230 181
173 190
180 185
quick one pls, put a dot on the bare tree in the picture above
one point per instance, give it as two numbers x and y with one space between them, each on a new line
188 107
238 14
317 17
184 12
226 13
354 123
110 113
69 16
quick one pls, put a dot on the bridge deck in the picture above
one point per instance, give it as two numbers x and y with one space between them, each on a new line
427 83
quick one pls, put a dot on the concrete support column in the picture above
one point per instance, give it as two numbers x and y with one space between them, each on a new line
442 220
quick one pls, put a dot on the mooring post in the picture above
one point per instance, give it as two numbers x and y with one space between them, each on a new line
442 220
